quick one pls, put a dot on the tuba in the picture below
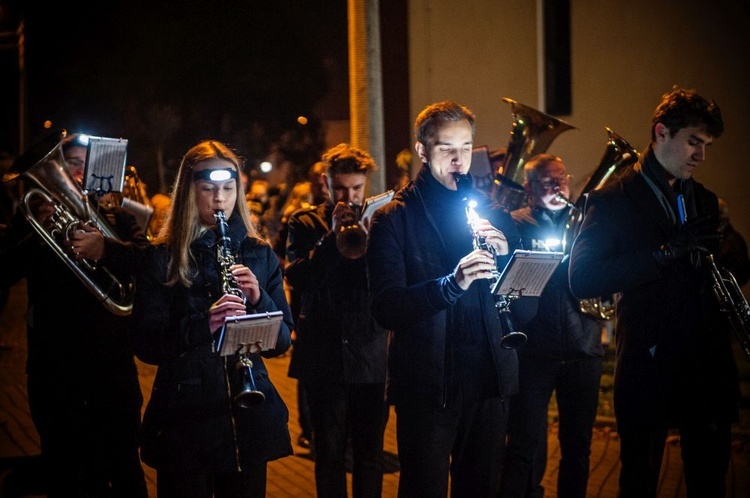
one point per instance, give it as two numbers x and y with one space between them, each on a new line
49 181
532 133
618 155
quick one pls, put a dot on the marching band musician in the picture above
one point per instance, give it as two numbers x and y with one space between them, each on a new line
448 376
199 442
83 390
563 352
340 351
646 236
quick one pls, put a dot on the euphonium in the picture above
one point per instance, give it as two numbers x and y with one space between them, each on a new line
511 338
49 181
532 133
732 302
248 394
351 239
618 155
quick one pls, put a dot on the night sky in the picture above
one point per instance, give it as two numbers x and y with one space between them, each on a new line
165 75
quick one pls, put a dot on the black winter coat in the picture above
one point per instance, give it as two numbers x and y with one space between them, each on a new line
674 356
406 262
338 341
558 330
190 424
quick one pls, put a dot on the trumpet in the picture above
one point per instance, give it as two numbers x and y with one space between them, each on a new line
248 394
351 239
731 302
511 338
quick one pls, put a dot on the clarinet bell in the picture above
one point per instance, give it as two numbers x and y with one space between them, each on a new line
249 395
512 338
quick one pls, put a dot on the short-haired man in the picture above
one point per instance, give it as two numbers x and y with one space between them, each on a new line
647 236
340 352
449 377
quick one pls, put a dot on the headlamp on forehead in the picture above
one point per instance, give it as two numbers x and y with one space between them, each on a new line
214 175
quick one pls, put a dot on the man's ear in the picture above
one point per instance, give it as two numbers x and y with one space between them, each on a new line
421 151
661 131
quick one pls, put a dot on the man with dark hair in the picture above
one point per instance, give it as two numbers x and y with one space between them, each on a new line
449 377
340 352
648 236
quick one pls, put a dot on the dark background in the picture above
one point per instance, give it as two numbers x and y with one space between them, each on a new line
165 75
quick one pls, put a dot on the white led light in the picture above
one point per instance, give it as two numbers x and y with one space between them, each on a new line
220 175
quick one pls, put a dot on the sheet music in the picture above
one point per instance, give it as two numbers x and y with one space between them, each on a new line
527 273
258 331
371 205
105 165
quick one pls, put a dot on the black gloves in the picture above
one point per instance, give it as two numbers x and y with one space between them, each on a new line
690 237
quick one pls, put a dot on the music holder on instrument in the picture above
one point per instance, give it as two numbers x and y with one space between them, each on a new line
105 165
254 333
527 273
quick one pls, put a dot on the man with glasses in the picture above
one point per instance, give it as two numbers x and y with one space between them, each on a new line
563 353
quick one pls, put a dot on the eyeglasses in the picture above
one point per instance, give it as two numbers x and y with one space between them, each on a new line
550 183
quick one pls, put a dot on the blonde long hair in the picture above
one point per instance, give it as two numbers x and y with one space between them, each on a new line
183 224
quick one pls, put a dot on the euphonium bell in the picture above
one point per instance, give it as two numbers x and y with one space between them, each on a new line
351 239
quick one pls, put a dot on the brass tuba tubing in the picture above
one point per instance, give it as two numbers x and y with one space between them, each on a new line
532 133
54 184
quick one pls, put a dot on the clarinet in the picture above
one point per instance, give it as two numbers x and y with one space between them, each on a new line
511 338
248 394
225 258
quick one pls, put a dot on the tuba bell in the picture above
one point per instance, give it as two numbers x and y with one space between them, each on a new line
618 155
49 181
532 133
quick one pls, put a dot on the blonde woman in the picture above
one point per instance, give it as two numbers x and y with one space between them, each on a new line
199 442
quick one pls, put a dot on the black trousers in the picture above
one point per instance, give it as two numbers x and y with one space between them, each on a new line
340 414
250 483
465 439
576 386
705 448
88 419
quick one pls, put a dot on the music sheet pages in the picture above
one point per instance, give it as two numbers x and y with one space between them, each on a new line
250 333
527 273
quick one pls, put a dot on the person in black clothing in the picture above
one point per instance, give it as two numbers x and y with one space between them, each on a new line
563 353
201 442
83 390
449 378
340 351
648 236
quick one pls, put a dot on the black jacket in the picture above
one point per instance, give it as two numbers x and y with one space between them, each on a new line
673 346
559 329
407 262
337 339
189 424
